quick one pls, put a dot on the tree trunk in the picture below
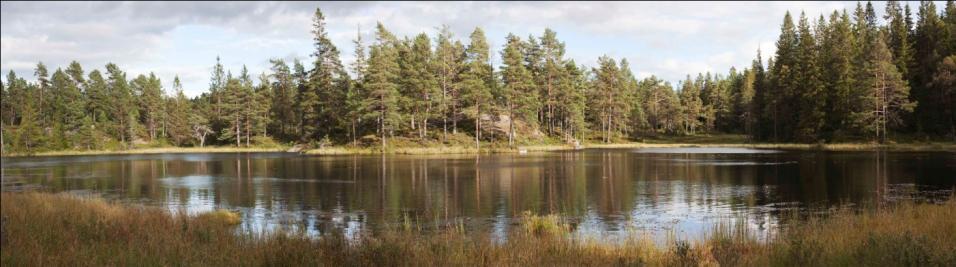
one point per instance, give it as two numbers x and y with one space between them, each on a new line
454 118
428 110
511 124
248 131
477 129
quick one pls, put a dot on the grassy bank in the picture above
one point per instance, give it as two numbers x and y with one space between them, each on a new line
153 150
53 230
462 144
467 146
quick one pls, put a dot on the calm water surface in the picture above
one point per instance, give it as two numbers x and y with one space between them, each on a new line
605 192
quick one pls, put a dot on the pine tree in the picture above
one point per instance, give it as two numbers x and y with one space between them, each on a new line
519 94
419 83
630 109
353 99
217 82
97 94
552 54
233 101
13 98
476 80
148 93
382 84
692 108
67 103
608 102
247 109
449 64
887 94
261 107
284 99
44 111
122 105
571 103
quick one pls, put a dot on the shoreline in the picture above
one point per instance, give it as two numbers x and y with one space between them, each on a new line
142 151
496 149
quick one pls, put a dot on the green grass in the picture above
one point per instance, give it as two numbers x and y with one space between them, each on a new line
41 229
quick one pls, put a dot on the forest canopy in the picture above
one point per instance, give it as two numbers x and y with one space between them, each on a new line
842 76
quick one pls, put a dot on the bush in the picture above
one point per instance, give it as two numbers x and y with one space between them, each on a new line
265 142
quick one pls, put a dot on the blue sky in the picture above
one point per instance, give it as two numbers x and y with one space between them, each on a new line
666 39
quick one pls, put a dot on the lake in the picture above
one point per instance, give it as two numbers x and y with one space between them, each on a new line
603 192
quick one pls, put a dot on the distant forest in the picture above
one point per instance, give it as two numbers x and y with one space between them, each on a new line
843 76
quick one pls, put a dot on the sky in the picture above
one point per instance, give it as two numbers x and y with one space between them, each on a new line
666 39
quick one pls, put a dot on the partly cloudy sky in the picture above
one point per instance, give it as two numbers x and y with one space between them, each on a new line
667 39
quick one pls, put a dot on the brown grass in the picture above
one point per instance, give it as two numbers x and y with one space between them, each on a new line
42 229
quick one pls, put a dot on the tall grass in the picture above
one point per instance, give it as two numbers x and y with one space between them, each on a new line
55 230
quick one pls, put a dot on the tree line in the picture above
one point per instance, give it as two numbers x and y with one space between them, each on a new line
837 77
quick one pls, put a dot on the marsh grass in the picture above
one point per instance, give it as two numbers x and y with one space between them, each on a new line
41 229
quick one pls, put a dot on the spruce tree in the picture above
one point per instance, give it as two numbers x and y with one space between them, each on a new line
178 110
898 37
945 82
783 90
837 56
928 43
809 88
323 97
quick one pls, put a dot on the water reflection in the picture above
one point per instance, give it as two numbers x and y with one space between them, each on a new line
604 192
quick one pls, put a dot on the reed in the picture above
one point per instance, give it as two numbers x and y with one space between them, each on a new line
42 229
